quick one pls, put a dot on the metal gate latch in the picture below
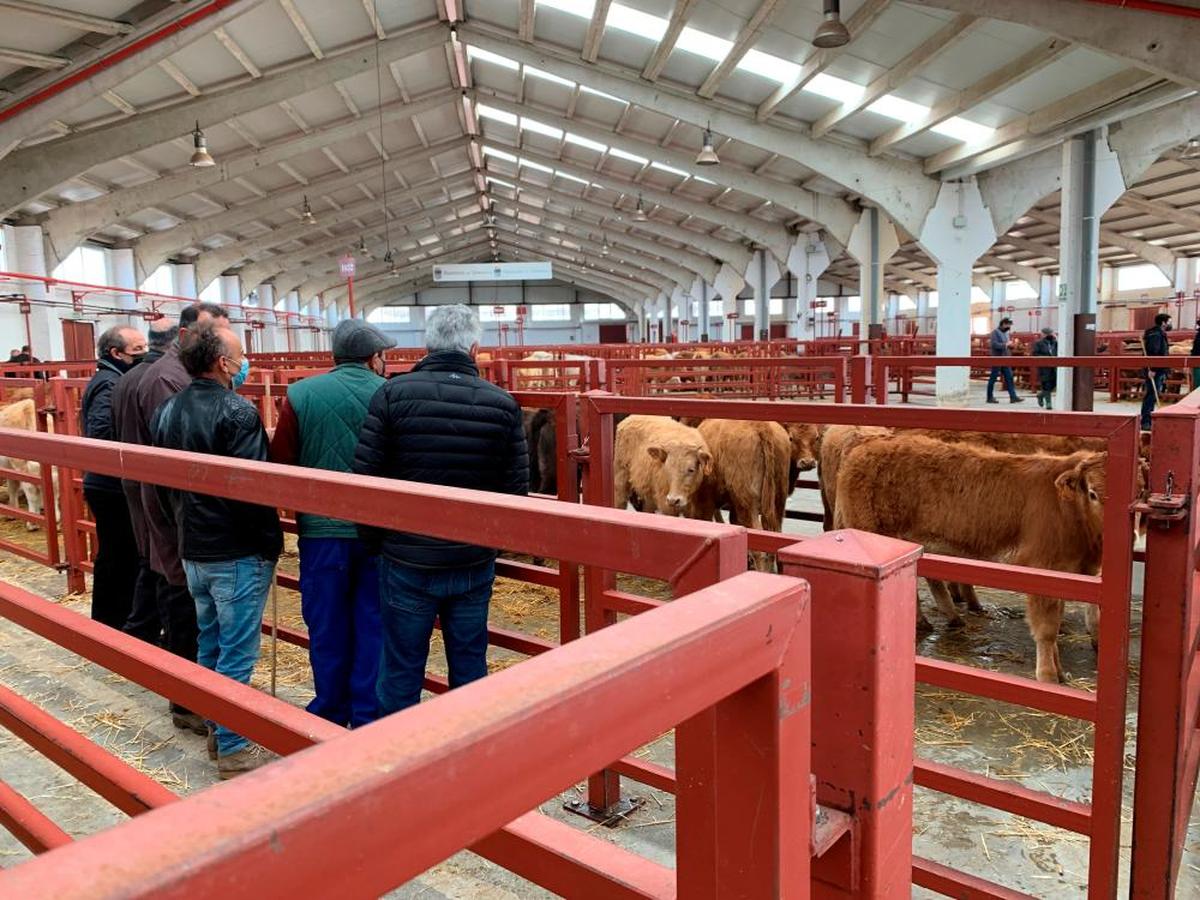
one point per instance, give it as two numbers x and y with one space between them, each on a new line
1167 507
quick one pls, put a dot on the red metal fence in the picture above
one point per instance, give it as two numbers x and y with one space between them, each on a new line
729 664
1105 708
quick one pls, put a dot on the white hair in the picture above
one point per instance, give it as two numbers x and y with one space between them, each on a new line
452 328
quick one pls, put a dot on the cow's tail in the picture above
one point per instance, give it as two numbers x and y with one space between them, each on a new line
772 494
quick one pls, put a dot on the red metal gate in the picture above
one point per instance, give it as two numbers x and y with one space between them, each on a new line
1099 820
1168 748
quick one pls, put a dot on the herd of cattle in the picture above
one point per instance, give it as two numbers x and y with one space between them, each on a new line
1026 500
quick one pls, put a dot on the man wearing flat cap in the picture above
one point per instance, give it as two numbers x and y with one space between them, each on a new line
318 427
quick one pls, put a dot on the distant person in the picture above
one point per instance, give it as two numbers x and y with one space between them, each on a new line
146 620
998 346
1155 343
1047 345
440 424
119 349
161 381
12 361
229 548
1196 352
318 427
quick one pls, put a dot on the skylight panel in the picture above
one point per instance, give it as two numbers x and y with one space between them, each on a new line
702 44
528 124
489 112
773 68
964 130
499 154
474 53
634 21
664 167
548 76
835 88
632 157
570 177
426 241
492 179
896 108
537 167
581 8
593 91
585 142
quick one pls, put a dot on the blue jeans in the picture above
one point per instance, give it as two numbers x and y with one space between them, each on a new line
1150 397
997 371
339 597
411 599
230 596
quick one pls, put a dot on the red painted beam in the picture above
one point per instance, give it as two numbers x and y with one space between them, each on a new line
27 824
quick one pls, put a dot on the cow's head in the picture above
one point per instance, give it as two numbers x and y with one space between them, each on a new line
1083 486
806 444
686 465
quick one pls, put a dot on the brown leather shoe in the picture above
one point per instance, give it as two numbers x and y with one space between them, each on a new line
247 759
189 722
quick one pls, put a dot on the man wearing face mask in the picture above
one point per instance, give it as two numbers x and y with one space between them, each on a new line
119 349
229 548
998 346
318 427
1155 343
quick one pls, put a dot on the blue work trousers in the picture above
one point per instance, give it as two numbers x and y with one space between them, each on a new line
339 598
411 599
230 596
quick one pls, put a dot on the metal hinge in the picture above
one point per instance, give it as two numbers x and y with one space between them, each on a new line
1167 508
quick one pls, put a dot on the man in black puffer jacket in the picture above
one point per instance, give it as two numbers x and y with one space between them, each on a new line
439 424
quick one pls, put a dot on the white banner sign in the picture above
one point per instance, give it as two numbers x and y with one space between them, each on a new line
518 271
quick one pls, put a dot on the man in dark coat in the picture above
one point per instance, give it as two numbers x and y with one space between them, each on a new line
439 424
119 349
163 380
1155 343
1196 352
228 548
998 346
146 621
1047 345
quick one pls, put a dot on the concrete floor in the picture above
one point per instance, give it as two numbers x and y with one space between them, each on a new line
1040 751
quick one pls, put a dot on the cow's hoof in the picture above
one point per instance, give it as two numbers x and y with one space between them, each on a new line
924 626
956 624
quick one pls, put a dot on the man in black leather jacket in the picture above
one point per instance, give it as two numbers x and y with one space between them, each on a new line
119 349
229 548
440 424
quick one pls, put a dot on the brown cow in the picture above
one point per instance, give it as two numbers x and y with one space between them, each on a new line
750 462
22 415
660 462
836 442
1042 511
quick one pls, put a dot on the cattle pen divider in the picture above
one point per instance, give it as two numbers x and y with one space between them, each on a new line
1099 820
730 666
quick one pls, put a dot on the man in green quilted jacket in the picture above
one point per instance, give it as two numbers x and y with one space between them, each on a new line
318 427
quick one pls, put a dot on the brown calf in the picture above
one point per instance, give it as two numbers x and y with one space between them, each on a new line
659 463
1042 511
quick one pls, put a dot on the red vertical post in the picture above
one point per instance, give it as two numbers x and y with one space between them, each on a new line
881 380
864 670
860 369
743 795
841 375
566 418
1165 778
604 788
68 499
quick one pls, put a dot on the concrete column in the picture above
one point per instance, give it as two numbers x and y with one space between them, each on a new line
998 299
923 312
1091 183
122 274
272 339
893 313
872 243
183 277
808 260
1046 291
704 319
231 290
957 231
27 255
